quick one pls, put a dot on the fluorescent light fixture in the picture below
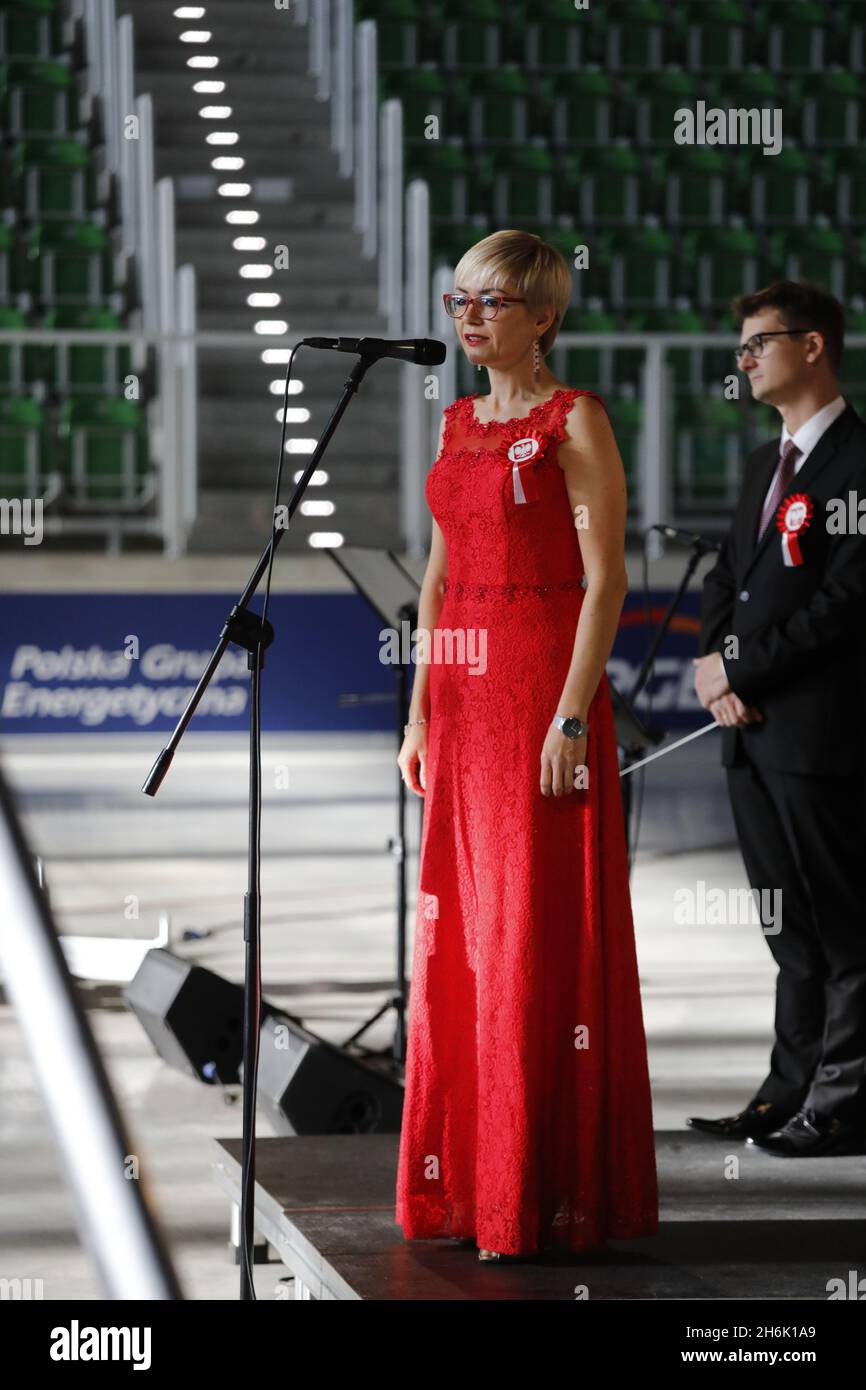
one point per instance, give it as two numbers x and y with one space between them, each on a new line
273 356
202 60
295 415
208 87
235 190
277 327
195 36
222 137
325 540
228 162
317 478
264 301
189 12
317 507
242 217
249 243
300 446
215 113
257 272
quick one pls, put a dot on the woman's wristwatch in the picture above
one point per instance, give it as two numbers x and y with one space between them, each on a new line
571 727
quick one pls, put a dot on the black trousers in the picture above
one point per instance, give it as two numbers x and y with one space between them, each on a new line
806 836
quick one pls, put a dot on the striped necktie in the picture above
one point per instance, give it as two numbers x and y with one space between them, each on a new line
781 483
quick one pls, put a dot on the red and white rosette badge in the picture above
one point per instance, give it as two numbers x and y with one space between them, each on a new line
522 454
792 518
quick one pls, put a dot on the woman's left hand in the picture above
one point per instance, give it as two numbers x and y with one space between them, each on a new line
561 757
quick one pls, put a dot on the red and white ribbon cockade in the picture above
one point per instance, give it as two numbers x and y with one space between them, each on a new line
793 517
522 454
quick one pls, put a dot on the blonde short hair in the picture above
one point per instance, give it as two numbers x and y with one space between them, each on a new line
523 263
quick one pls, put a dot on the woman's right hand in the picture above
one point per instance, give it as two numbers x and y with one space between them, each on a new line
412 759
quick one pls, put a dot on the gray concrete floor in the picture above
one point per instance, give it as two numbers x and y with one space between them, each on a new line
328 942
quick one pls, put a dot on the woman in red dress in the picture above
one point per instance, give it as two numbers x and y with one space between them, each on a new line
527 1120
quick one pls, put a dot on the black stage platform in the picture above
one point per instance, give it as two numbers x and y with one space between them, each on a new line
326 1205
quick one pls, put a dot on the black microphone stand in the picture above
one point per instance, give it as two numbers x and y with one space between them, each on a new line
634 750
246 630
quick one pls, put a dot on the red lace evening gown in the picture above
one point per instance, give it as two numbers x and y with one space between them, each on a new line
528 1119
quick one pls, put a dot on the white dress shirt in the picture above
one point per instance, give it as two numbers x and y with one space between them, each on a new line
807 436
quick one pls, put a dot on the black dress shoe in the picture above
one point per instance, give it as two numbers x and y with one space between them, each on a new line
759 1117
809 1135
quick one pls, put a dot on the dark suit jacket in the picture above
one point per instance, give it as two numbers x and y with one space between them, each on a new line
801 628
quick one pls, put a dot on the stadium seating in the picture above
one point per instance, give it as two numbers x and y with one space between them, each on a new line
562 124
68 433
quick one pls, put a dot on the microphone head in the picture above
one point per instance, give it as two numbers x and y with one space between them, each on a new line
429 352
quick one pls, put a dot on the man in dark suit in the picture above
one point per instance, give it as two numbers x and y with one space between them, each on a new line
783 668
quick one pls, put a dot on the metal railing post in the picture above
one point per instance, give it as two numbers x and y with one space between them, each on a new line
415 415
391 212
187 363
170 486
341 99
366 125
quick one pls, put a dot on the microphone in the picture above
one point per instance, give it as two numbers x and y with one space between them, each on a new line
690 538
427 352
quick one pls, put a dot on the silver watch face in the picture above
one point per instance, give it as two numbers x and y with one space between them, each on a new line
572 728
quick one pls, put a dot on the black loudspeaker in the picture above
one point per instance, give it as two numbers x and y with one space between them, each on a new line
193 1017
308 1086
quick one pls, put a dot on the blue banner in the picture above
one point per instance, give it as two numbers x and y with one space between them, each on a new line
110 663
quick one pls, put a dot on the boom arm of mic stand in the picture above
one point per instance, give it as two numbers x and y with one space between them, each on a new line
643 674
241 626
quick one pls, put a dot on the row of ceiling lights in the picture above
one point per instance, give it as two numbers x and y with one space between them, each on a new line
253 270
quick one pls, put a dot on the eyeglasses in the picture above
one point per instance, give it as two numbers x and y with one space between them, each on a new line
488 304
755 345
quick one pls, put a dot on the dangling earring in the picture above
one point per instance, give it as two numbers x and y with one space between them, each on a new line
536 358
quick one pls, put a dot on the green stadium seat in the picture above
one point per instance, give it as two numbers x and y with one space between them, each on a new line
843 176
86 369
853 378
398 31
30 29
833 110
626 417
715 35
608 183
593 368
643 269
104 444
12 373
423 92
709 453
71 263
812 253
498 107
727 263
781 187
37 100
796 37
8 244
24 447
694 179
473 35
659 97
447 169
53 178
523 184
583 106
560 40
642 35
